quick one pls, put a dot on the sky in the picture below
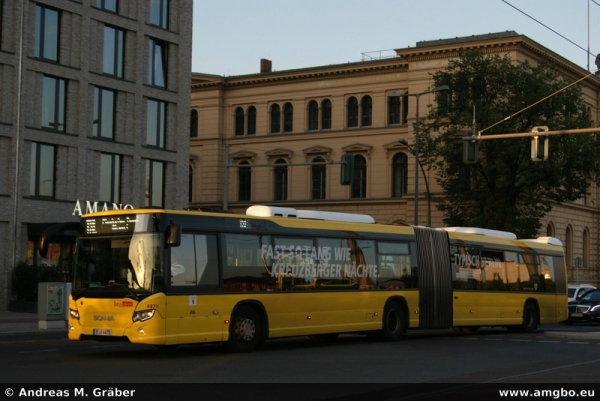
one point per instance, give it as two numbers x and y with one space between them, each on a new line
231 36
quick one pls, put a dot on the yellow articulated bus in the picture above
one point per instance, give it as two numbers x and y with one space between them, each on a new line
162 277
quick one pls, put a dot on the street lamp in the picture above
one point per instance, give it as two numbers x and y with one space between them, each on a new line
405 143
416 149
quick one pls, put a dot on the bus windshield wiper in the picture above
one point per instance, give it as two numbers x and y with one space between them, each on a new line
132 294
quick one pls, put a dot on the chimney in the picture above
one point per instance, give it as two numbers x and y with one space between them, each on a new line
265 65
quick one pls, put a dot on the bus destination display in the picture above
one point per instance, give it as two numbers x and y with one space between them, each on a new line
111 224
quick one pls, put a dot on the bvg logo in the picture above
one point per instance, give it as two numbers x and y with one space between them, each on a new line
106 318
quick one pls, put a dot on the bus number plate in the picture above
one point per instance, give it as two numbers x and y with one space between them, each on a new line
102 332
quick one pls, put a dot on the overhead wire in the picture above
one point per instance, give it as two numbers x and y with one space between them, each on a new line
550 29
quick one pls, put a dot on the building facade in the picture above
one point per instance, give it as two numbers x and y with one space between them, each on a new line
94 106
258 139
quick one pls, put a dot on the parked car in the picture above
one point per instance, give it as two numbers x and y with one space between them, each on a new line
576 291
585 309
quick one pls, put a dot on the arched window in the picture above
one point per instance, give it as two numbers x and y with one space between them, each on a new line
367 111
275 119
239 121
352 112
569 260
313 115
399 175
586 247
393 110
326 114
288 117
194 124
244 181
318 178
359 184
403 118
190 184
251 120
550 232
281 180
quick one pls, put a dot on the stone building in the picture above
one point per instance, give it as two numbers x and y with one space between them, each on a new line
94 106
254 136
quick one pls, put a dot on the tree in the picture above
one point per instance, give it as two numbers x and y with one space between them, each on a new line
505 190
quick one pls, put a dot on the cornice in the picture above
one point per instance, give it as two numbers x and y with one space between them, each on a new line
202 82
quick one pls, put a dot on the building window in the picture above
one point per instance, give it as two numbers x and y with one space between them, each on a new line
288 117
359 184
586 247
399 175
326 114
104 113
112 57
319 172
239 121
42 170
190 184
569 258
367 111
275 119
157 65
155 183
159 13
54 96
352 112
107 5
244 181
313 115
251 120
110 178
281 180
46 33
393 110
156 123
194 124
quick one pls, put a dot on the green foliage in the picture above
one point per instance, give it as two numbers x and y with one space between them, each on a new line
25 278
505 190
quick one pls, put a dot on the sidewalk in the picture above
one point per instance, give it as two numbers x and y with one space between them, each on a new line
20 322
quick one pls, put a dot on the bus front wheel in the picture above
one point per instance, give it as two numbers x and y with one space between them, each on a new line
393 323
245 330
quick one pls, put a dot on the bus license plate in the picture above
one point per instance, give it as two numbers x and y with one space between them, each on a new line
102 332
576 314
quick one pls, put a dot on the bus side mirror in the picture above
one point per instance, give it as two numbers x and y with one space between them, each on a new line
173 235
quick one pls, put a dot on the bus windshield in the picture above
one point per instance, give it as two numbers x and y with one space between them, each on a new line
118 266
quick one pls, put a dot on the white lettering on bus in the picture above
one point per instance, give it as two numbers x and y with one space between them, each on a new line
308 270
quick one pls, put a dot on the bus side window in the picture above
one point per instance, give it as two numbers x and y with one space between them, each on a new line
512 271
195 261
547 272
248 263
494 271
394 265
528 273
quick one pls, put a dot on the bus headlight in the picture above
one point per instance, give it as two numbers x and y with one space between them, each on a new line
143 315
74 314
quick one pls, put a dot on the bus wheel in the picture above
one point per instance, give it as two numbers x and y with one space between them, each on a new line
530 320
393 322
245 330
